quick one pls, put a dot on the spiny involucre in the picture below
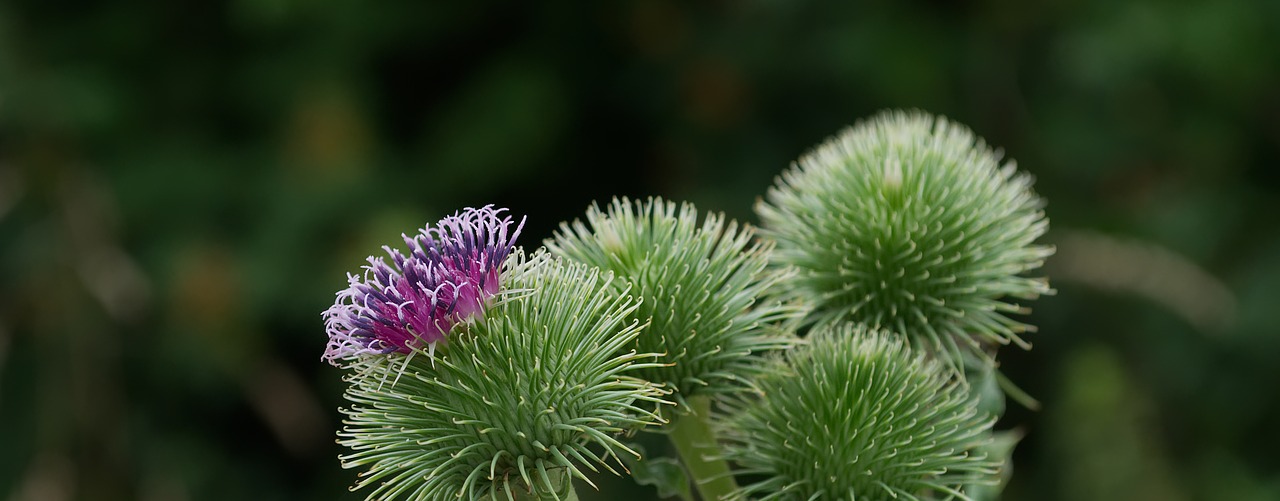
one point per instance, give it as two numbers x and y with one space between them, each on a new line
523 399
857 414
701 285
910 222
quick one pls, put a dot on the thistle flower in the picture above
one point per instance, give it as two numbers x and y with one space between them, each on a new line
448 276
524 399
911 223
856 414
700 286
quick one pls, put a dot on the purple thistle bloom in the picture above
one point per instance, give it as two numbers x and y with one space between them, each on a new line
448 276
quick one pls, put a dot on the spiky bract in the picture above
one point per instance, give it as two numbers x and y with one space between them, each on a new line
525 397
859 416
910 222
700 285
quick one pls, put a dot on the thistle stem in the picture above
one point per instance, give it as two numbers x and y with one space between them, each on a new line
571 495
562 484
696 442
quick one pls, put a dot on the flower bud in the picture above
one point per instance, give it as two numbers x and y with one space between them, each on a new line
700 285
910 223
857 414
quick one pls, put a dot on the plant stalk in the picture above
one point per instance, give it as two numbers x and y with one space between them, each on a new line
571 495
696 443
561 482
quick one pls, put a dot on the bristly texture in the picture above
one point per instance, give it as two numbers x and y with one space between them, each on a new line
448 276
700 285
859 416
522 401
910 222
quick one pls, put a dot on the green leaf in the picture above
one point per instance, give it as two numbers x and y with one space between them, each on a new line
664 473
984 385
1000 449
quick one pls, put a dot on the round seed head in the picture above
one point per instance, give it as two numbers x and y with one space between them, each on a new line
525 398
911 223
856 414
700 285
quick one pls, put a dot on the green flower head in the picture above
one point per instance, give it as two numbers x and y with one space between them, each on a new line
856 414
521 401
700 285
910 223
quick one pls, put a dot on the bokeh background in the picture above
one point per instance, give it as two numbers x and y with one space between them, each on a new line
183 186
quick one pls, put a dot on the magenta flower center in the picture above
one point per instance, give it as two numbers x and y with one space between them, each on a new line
447 277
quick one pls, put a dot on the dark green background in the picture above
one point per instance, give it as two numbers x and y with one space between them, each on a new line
184 184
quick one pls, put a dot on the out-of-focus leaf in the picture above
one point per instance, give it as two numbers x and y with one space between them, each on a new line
664 473
1001 447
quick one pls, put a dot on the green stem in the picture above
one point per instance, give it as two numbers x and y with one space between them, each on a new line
695 442
571 496
560 481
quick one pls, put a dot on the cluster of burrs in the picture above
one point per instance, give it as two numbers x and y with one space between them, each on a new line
823 356
909 240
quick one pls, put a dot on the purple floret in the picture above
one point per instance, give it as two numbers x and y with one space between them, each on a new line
448 276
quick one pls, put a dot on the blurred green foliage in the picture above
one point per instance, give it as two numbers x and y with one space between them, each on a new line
183 186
